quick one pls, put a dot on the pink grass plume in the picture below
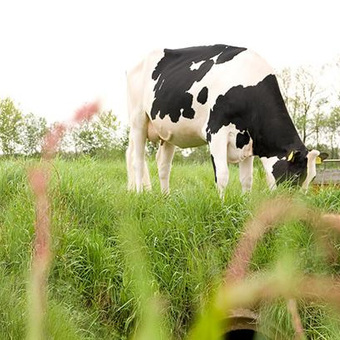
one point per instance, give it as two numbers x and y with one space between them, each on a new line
37 290
41 258
87 111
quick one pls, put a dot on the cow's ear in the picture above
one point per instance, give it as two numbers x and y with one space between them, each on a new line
291 156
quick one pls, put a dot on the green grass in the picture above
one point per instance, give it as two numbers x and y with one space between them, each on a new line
114 250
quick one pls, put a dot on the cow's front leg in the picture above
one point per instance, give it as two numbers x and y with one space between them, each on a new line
164 158
246 173
218 151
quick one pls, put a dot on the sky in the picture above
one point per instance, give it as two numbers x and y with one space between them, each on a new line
57 55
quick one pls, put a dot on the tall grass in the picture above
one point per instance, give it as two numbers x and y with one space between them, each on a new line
147 266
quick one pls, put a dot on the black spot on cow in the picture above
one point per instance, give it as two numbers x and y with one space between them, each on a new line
259 110
203 95
174 76
242 139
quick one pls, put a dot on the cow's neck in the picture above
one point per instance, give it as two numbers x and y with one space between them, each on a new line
271 129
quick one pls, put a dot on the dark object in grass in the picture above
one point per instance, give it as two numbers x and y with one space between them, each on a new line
244 334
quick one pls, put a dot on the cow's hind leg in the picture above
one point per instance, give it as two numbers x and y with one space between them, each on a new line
131 172
246 173
218 151
136 163
129 166
164 158
146 177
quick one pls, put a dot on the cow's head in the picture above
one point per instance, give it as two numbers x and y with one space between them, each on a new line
313 157
299 167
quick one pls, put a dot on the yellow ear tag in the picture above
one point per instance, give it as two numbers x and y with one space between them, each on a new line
290 157
318 160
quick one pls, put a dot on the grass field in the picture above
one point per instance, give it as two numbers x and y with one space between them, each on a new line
112 250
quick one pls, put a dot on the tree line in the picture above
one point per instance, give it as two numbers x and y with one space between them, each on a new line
315 112
23 134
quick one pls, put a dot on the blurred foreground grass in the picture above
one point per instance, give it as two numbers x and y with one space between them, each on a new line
147 266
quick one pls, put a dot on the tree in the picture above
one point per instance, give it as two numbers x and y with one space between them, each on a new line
11 121
199 154
67 142
33 130
84 138
97 134
333 127
305 101
105 127
123 141
318 122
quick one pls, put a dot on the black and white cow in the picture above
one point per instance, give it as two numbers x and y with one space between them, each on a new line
222 95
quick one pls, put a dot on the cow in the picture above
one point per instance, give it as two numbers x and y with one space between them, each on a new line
225 96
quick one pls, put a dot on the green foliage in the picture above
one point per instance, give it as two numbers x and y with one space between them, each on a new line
198 155
123 140
97 134
333 129
20 133
10 124
316 120
310 106
32 134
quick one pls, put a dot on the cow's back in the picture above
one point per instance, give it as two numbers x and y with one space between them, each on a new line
179 88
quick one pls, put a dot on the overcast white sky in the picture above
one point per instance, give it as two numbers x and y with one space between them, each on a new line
57 55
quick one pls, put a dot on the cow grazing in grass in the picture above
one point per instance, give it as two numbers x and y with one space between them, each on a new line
223 96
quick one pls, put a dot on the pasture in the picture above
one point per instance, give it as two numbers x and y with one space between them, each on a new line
113 249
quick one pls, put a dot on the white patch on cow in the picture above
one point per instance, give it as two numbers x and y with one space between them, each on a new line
214 59
235 154
182 134
246 69
311 168
268 164
196 66
160 86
